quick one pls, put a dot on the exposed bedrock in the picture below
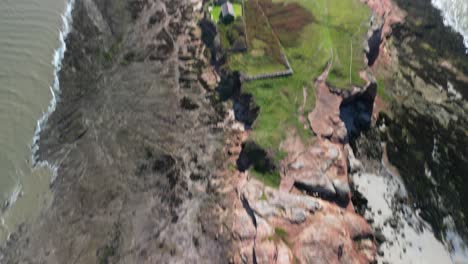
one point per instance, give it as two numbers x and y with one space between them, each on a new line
426 130
310 216
136 142
288 227
325 118
433 163
320 170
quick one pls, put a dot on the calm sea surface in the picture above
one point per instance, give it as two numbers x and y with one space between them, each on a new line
29 35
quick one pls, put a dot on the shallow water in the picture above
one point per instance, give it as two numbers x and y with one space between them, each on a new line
29 35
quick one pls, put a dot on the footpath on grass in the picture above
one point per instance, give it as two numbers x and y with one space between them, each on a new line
289 193
311 35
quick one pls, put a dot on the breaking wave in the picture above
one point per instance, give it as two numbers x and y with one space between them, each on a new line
54 88
455 14
457 246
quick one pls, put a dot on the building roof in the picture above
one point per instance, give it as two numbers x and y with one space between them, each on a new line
227 9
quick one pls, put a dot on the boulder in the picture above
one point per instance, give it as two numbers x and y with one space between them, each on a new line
319 169
209 79
335 237
268 202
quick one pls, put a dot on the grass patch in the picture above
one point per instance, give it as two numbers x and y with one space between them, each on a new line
335 27
264 53
253 64
232 167
336 32
237 9
272 179
280 235
216 11
381 90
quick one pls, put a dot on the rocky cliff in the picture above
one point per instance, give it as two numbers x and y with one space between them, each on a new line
134 137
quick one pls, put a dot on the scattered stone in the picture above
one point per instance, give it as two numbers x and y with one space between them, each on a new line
393 223
379 236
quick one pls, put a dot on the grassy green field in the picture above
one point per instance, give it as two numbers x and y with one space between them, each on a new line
264 53
216 11
336 33
254 64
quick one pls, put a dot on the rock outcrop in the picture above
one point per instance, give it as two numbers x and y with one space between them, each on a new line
310 217
135 140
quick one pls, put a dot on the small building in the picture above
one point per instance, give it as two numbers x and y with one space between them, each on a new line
227 12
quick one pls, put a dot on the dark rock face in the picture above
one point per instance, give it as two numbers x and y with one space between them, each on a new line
424 39
244 106
433 162
374 44
245 109
254 155
126 144
426 133
356 112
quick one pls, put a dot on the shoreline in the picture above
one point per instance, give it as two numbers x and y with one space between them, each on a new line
39 169
145 174
54 90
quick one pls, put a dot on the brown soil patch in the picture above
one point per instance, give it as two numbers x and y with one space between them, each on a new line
287 19
258 27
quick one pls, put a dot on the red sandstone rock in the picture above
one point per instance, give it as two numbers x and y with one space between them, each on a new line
389 11
243 227
326 233
209 79
320 168
335 238
286 225
325 120
265 252
391 14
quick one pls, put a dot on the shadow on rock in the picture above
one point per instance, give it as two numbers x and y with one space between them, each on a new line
356 111
254 155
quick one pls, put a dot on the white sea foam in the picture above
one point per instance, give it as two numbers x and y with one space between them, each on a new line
455 14
54 88
14 195
413 240
456 243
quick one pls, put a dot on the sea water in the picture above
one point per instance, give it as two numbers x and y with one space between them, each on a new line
31 48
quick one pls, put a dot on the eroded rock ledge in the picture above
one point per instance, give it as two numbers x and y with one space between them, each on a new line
310 216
